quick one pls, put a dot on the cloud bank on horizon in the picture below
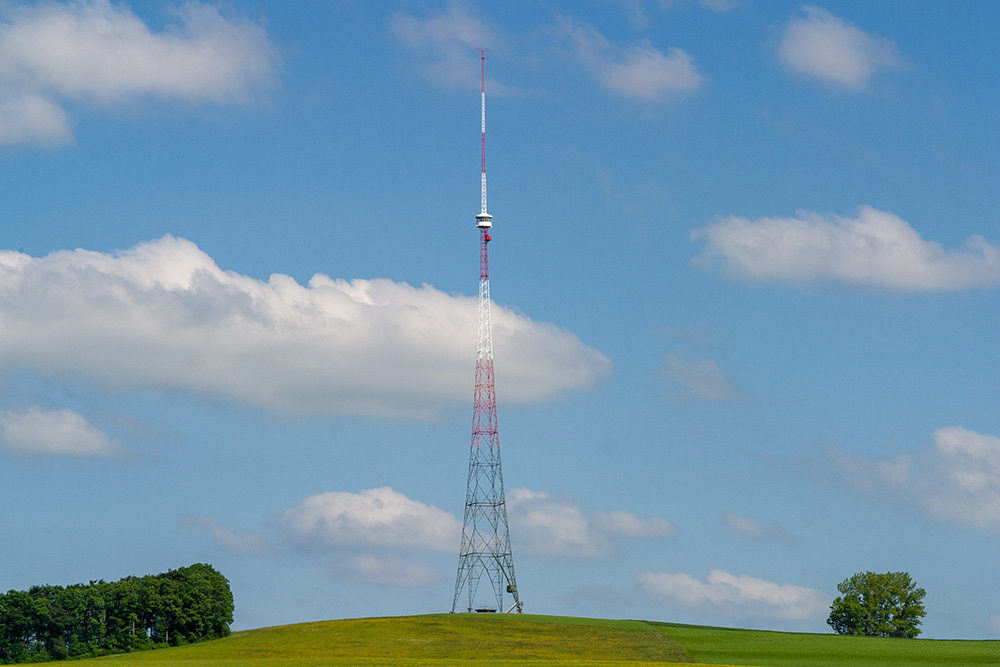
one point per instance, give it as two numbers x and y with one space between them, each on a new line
380 536
376 535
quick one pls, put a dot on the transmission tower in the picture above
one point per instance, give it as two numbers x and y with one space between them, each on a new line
485 538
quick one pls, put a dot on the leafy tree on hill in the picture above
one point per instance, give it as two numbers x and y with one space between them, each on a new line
878 605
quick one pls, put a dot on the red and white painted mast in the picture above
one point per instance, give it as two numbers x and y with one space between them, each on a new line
485 547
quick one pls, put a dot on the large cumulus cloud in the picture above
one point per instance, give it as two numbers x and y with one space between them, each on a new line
163 316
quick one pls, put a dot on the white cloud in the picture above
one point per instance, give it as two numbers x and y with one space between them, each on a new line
737 596
38 432
373 518
701 380
874 249
558 527
164 316
744 526
818 44
640 72
102 54
957 481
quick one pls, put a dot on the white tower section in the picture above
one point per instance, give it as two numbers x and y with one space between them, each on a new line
484 220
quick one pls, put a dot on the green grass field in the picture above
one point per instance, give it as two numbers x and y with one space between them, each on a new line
781 649
446 640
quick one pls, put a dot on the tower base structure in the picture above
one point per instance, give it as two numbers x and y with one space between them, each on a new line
485 550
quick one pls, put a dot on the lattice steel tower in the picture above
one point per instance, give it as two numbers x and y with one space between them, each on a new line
485 538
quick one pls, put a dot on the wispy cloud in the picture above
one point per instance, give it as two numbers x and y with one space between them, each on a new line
749 528
637 15
102 54
874 249
626 524
698 380
446 45
714 5
818 44
956 481
394 571
692 333
164 316
634 11
60 432
376 536
558 527
735 596
640 72
717 5
247 543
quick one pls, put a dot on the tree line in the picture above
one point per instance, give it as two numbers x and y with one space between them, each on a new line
136 613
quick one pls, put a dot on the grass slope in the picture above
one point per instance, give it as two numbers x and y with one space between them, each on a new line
453 640
439 640
785 649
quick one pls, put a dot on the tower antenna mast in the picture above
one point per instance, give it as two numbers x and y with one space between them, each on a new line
484 219
485 547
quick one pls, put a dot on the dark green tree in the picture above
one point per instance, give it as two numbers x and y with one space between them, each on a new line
878 605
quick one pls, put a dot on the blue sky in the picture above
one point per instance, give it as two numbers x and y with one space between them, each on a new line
745 270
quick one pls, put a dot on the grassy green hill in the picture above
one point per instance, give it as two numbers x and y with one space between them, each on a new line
445 640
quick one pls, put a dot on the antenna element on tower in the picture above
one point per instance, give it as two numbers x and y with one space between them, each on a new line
484 220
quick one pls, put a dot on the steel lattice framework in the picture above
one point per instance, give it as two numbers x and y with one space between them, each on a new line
485 536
